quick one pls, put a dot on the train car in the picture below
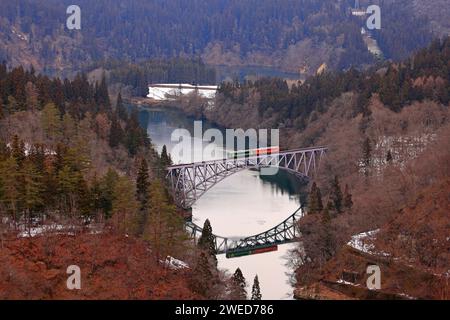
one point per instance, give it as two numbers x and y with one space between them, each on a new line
251 251
252 152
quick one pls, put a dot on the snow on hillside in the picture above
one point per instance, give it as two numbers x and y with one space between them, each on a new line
402 148
364 242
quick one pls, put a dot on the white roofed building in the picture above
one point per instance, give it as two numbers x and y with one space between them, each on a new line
170 91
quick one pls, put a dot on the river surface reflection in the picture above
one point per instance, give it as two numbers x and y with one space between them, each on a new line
242 205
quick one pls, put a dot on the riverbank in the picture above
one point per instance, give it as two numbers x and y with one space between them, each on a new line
142 101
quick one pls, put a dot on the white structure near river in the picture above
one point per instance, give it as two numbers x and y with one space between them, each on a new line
167 91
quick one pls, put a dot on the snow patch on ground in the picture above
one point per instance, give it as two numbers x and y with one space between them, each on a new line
347 283
54 229
359 241
28 148
407 296
20 35
364 242
36 231
175 264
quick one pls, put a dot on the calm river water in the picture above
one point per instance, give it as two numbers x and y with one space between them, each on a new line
242 205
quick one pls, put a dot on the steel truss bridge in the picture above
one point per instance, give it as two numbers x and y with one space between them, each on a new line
189 182
286 232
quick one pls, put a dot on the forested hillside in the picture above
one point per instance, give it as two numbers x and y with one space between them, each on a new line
286 34
81 183
64 149
388 135
271 102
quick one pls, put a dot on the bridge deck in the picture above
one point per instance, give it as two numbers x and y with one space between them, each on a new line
183 165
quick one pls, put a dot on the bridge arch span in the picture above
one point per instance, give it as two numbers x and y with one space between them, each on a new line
188 182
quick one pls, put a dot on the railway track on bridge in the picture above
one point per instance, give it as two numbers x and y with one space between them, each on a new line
189 182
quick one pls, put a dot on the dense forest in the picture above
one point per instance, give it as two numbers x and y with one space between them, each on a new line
81 182
387 170
72 163
52 167
425 76
286 34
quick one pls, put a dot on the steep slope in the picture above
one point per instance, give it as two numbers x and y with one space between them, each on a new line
412 251
112 267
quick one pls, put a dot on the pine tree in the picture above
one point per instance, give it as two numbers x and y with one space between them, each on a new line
315 200
69 128
256 291
9 181
83 197
336 194
348 201
102 96
51 122
116 133
124 206
31 188
135 137
37 157
67 189
120 109
142 185
58 162
206 241
326 243
165 157
164 227
32 96
202 278
18 150
107 186
238 286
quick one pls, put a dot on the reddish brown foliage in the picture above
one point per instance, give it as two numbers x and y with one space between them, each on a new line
112 267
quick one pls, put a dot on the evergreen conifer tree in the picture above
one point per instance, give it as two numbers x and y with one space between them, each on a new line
238 290
315 200
256 290
206 241
142 185
336 194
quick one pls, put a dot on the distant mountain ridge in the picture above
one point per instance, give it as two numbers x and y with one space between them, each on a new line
287 34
